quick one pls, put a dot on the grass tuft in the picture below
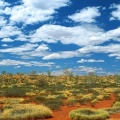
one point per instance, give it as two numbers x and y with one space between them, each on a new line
25 112
88 114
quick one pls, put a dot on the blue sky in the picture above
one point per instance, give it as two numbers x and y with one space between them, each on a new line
80 35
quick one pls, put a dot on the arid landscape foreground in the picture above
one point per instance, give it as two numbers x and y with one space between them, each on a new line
47 97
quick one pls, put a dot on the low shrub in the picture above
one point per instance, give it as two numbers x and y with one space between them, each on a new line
11 100
93 102
106 96
83 99
116 104
40 98
100 97
30 94
51 97
88 114
14 92
24 112
71 101
53 104
112 110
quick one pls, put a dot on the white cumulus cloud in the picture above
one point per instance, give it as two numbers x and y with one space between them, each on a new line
3 21
81 35
87 15
7 40
61 55
3 4
5 45
9 31
116 12
9 62
19 49
87 69
89 60
112 50
34 11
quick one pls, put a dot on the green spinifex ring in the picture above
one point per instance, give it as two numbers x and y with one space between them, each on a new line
88 114
25 112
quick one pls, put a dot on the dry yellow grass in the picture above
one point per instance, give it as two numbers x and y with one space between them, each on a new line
24 112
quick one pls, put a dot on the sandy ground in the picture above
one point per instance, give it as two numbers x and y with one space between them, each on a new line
63 113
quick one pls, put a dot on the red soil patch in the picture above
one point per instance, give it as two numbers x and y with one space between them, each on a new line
115 116
63 114
1 106
105 103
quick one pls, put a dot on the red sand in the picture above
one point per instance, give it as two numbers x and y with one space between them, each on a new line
115 116
63 114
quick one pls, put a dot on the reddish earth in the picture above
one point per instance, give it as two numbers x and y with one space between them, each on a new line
1 106
63 114
115 116
105 103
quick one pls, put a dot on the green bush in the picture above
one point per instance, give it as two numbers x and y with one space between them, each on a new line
11 100
24 112
40 98
71 101
106 96
14 92
112 110
88 114
53 104
93 102
116 104
81 101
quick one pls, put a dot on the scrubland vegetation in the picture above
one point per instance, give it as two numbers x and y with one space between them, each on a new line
30 96
89 114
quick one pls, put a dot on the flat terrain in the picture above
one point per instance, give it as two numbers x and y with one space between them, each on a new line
63 114
60 94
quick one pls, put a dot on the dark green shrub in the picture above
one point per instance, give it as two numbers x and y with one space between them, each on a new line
106 96
81 101
14 92
71 101
88 114
40 98
116 92
53 104
42 81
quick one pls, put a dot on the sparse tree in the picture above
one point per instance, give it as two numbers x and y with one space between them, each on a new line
117 79
3 72
33 74
68 73
48 73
